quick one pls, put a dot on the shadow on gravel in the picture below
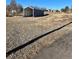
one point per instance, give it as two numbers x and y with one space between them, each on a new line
33 40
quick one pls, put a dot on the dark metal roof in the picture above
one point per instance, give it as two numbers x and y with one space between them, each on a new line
37 8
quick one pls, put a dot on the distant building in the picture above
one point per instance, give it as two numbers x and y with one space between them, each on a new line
49 10
33 11
13 9
13 12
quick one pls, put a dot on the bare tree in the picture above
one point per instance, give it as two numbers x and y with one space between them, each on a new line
19 8
62 10
57 11
16 8
66 9
13 5
8 10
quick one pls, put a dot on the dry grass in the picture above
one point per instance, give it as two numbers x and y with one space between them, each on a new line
22 29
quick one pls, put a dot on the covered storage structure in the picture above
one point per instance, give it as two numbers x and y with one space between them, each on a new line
32 11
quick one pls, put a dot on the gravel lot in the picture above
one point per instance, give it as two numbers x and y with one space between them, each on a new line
23 29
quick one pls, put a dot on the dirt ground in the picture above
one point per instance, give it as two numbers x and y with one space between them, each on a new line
23 29
60 49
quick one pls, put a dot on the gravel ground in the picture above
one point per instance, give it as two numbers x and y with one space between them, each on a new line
21 30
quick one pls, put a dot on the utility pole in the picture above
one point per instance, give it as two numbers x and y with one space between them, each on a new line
33 14
23 12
